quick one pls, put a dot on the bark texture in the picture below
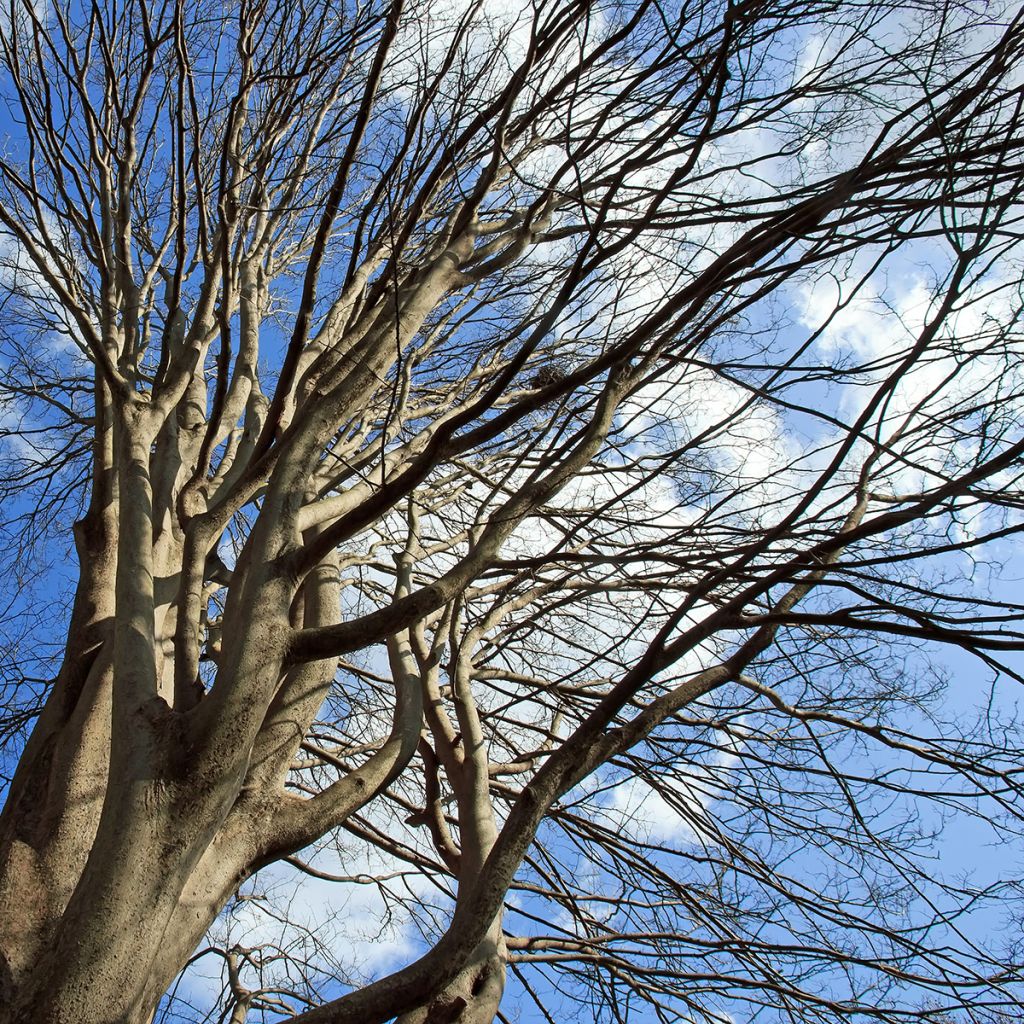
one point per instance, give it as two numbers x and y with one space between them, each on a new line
461 453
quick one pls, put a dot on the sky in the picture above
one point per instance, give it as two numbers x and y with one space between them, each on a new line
346 925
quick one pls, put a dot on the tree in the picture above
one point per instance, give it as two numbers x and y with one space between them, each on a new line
548 446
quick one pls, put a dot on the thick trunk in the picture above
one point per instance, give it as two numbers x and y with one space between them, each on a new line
45 847
53 807
105 891
475 994
140 907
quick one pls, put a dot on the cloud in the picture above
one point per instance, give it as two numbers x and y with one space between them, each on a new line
495 37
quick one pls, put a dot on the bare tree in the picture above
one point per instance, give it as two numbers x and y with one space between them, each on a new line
527 461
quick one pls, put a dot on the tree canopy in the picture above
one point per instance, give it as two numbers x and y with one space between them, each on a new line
534 486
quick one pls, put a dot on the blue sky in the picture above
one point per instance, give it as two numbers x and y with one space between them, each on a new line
725 771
